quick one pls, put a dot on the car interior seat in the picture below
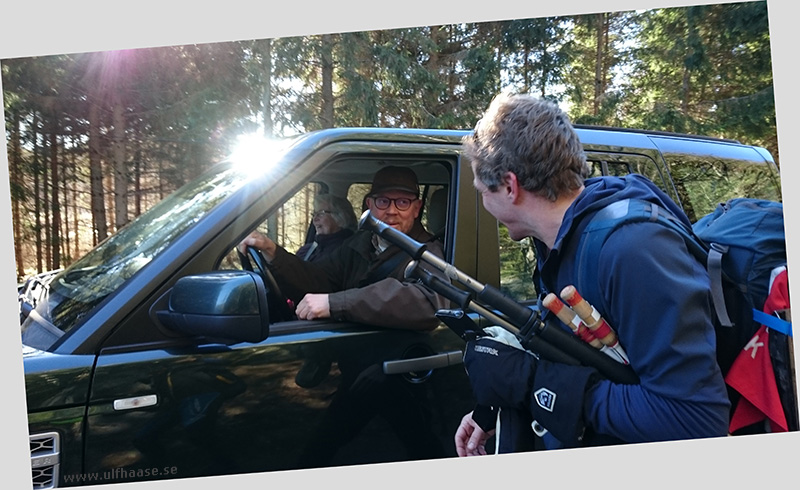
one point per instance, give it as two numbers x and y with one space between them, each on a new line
437 214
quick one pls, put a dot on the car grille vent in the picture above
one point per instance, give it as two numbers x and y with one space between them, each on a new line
45 459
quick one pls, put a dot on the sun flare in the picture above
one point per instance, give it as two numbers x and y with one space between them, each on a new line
255 154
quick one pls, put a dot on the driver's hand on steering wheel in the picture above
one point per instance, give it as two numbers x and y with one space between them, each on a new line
313 306
260 242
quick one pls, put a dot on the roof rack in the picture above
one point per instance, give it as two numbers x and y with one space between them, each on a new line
656 133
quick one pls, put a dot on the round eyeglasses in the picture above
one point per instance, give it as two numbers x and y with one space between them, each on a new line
320 213
401 203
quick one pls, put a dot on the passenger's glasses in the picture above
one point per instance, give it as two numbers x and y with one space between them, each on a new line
401 203
320 213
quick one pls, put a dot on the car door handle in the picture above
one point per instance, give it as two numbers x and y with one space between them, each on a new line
425 363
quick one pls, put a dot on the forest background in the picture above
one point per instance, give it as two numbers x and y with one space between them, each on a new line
95 139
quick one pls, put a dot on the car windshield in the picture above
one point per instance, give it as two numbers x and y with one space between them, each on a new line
76 290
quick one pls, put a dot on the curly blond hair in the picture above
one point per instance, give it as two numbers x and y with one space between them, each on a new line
531 138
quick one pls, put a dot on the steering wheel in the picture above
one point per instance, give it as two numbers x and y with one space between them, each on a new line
278 302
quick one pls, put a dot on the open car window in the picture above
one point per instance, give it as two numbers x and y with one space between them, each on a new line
290 225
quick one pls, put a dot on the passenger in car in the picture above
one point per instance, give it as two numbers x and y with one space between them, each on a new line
530 170
363 280
333 221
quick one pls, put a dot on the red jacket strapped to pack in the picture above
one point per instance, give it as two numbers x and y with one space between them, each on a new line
752 374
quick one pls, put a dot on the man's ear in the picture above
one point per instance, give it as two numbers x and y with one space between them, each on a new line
418 205
511 186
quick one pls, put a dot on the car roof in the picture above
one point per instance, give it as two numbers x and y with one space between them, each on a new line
672 146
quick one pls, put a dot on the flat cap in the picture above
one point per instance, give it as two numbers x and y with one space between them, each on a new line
393 178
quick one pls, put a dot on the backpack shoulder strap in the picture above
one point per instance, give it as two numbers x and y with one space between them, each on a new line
610 218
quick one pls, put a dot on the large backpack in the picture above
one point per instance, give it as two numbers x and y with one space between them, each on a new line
741 242
746 243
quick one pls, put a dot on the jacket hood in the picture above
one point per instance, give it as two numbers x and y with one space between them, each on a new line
601 191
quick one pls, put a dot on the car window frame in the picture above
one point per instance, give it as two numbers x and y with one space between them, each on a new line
256 212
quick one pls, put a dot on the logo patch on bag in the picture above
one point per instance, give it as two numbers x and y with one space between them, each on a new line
545 399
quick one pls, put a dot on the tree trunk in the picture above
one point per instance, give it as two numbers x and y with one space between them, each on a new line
120 170
606 53
434 66
543 79
109 197
46 200
526 70
37 198
685 92
137 181
64 232
55 224
266 94
96 176
17 191
598 63
326 117
76 224
689 64
498 83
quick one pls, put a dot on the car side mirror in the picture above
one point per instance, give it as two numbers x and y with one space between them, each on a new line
227 305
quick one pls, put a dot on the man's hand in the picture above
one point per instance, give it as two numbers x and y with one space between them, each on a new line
470 438
313 306
258 241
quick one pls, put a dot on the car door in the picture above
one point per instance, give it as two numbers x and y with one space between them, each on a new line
185 407
215 409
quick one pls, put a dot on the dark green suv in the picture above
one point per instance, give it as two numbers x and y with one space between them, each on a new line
157 356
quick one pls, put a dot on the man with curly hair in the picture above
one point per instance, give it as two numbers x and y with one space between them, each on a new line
531 172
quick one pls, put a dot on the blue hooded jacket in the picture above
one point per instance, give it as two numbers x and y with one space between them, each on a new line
656 296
